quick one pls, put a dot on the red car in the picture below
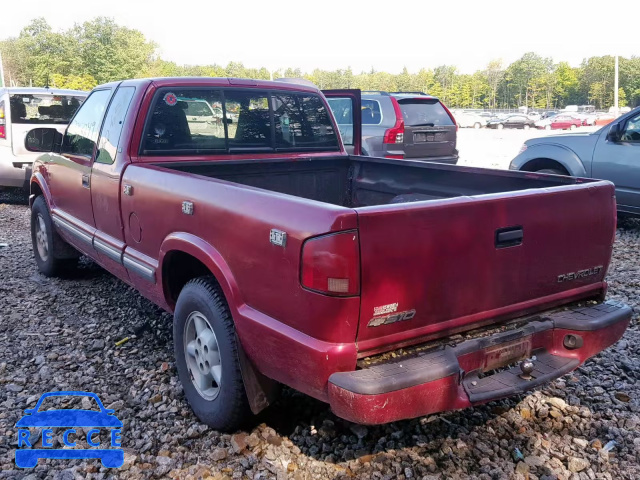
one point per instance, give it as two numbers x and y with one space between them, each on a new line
389 289
565 122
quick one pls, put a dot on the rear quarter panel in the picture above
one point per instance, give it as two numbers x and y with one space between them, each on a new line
236 222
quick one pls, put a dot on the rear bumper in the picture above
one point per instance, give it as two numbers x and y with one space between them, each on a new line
451 378
449 160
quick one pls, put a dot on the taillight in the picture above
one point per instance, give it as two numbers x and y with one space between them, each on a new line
453 119
3 130
396 133
331 264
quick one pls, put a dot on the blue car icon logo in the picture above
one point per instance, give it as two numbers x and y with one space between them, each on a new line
27 457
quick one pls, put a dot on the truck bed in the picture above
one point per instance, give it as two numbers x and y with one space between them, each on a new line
447 248
365 181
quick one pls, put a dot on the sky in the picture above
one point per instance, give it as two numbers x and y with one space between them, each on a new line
332 34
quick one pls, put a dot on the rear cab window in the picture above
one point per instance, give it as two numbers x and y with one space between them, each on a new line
43 108
191 121
424 112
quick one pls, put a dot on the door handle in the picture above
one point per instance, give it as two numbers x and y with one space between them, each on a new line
85 181
509 237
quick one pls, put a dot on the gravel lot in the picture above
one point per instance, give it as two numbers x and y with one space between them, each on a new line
61 334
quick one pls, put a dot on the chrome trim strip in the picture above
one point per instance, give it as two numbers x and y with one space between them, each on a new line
138 268
72 229
107 250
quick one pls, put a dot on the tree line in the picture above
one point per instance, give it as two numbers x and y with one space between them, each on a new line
100 51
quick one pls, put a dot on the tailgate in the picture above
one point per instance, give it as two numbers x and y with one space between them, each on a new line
433 268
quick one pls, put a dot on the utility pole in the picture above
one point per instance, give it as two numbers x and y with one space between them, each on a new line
1 72
615 86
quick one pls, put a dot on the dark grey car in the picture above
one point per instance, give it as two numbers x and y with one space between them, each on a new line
411 126
610 153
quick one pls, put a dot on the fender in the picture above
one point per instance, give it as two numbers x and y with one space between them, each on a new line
261 390
210 257
553 151
38 179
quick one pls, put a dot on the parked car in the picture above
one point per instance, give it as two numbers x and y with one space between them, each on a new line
604 119
20 110
285 260
611 153
410 126
563 122
511 121
548 114
470 120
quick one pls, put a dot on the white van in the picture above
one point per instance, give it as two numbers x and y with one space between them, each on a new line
25 108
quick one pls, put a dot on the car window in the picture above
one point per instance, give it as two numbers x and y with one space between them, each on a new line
632 130
302 121
113 123
43 108
342 109
182 120
423 112
371 112
192 121
248 117
82 134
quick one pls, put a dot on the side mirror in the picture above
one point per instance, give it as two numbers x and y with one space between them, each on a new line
614 133
43 140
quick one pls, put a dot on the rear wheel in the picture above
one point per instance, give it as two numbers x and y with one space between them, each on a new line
206 353
51 252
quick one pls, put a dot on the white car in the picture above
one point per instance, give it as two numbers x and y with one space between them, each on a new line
470 120
21 110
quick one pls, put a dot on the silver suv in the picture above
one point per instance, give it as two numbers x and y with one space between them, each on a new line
405 125
22 109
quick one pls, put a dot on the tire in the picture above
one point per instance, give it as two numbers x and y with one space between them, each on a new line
52 254
477 125
500 126
572 127
552 171
215 390
526 127
547 127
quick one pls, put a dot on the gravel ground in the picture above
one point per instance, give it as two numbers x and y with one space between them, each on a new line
61 334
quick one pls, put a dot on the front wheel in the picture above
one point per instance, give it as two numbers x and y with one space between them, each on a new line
51 252
500 126
527 127
477 125
206 352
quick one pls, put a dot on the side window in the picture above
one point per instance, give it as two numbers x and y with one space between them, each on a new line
248 119
342 109
371 112
302 121
82 133
113 123
185 121
632 130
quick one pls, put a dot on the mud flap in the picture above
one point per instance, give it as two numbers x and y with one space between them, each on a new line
261 391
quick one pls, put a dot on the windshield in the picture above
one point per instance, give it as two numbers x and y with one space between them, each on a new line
423 111
43 108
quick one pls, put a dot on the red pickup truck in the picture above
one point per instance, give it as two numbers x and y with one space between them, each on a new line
388 288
